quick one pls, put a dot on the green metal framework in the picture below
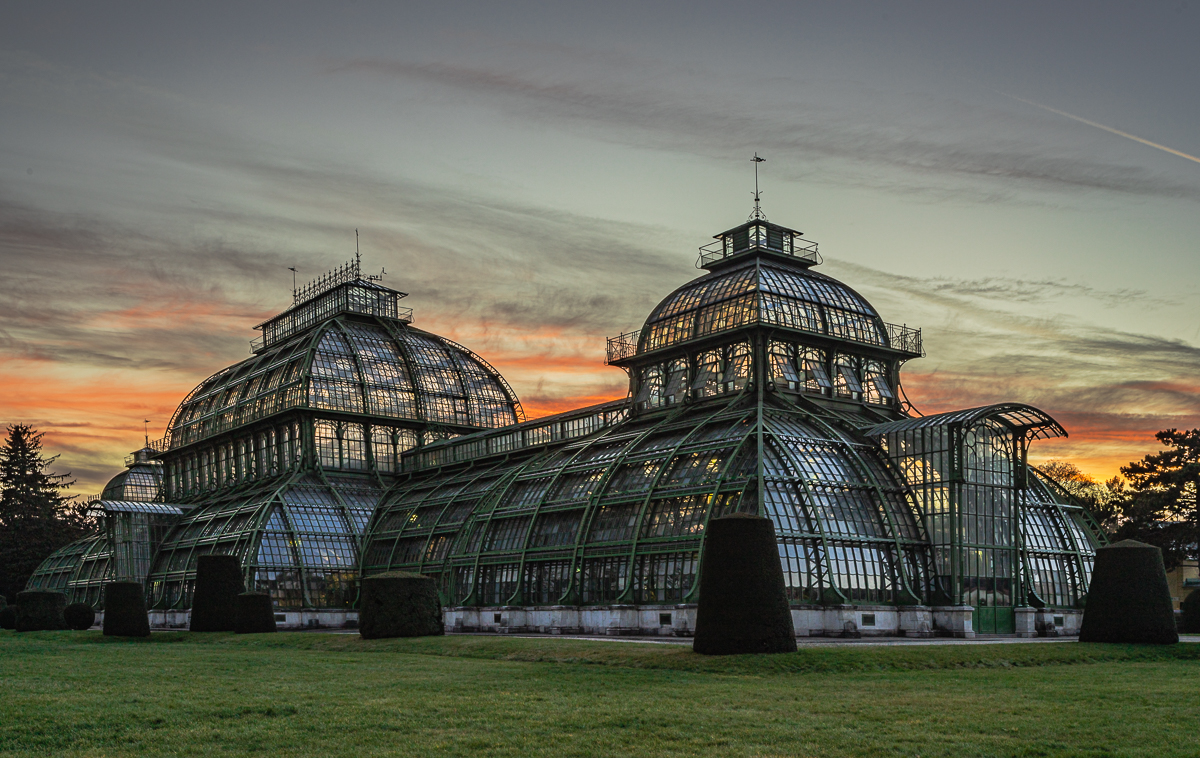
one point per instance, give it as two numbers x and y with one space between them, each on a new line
618 516
281 459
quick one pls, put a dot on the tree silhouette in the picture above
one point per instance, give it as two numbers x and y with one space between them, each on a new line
36 518
1159 505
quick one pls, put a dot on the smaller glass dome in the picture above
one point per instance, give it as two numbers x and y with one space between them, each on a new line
140 483
354 367
766 292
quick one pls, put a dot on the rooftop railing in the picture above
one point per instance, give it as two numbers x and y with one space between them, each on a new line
352 297
557 428
905 339
787 244
622 346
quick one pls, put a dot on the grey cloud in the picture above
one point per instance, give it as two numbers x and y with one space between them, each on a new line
702 121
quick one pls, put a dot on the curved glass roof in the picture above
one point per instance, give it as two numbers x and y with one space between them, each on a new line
382 369
763 292
619 516
139 483
78 570
297 538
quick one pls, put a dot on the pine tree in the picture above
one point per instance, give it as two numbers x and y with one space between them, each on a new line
36 518
1159 506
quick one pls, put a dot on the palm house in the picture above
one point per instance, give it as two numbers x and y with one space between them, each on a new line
763 387
351 443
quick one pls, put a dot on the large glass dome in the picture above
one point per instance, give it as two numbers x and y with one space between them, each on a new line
767 292
379 369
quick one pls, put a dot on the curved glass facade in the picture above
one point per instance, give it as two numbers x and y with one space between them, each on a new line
298 537
763 292
619 516
78 570
381 369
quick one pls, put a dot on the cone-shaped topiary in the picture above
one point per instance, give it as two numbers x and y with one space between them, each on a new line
8 617
399 604
743 605
79 616
214 602
1191 613
38 610
255 613
125 610
1128 599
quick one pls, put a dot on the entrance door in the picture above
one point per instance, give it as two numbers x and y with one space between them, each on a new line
995 619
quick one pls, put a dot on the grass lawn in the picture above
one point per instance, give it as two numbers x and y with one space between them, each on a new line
78 693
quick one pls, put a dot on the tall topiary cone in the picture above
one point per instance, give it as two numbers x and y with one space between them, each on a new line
255 613
743 603
38 610
214 601
1191 613
1129 600
125 610
399 604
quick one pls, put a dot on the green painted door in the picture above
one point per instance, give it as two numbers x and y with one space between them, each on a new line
996 619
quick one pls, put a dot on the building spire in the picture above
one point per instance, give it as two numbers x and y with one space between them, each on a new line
757 214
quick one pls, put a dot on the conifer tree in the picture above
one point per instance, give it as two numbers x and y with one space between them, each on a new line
1160 506
36 518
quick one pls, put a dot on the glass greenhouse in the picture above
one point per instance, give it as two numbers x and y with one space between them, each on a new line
351 443
763 387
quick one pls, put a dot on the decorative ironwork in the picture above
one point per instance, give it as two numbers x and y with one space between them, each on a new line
622 346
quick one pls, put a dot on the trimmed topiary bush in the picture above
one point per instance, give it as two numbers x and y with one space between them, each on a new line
255 613
399 604
38 610
8 617
79 616
743 605
214 602
1191 613
125 610
1129 600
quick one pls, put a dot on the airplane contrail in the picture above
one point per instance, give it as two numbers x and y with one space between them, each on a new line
1118 132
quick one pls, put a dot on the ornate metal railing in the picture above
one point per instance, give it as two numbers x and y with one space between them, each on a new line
622 346
805 250
905 339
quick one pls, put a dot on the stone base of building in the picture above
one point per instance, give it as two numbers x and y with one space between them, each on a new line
845 621
284 620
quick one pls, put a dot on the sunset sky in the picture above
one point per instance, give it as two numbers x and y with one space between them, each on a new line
1020 180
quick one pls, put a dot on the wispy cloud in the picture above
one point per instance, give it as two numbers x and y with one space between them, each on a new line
691 115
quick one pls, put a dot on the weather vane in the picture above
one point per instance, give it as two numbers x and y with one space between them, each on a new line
757 210
146 422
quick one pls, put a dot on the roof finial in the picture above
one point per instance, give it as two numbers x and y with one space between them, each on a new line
757 210
147 430
357 258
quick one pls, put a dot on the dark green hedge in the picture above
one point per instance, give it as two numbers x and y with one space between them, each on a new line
1129 600
255 613
8 617
79 616
1191 613
125 610
38 610
743 606
399 604
214 602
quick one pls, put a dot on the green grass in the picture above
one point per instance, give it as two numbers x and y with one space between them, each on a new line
79 693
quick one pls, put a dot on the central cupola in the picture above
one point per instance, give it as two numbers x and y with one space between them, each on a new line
764 319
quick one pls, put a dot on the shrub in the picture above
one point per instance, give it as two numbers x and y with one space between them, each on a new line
79 616
38 610
218 584
8 617
399 604
1191 612
125 610
1129 600
743 605
255 613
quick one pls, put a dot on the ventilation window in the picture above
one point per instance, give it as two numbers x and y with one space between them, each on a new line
868 619
498 618
664 619
1058 620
